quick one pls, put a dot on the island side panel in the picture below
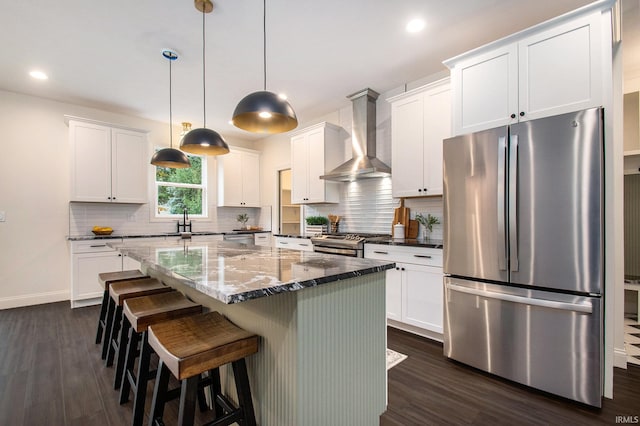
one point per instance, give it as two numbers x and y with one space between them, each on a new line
342 376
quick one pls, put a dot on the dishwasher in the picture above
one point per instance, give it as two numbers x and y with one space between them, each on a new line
239 238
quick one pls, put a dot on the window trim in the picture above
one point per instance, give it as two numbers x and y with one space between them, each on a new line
203 186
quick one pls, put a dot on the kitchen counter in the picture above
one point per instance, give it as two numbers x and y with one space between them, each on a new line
412 243
292 236
232 273
169 234
321 321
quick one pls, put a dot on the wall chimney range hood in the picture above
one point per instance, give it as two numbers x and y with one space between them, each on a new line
363 164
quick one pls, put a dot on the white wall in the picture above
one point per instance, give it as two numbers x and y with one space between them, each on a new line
34 193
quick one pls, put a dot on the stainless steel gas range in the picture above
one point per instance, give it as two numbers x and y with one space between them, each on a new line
345 244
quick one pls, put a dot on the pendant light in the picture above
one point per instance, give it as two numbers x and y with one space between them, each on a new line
204 141
263 111
170 157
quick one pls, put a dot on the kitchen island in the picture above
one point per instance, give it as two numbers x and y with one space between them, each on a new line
321 319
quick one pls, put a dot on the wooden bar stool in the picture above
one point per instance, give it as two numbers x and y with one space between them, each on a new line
105 279
138 314
190 346
118 293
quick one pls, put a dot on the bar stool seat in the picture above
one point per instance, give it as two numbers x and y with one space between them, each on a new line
119 292
190 346
105 279
138 314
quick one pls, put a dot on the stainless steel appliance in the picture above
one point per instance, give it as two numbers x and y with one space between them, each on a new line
345 244
523 253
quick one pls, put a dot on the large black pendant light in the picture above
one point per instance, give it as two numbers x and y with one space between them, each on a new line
170 157
263 111
204 141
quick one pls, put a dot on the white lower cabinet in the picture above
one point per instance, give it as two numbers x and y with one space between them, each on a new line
293 243
88 259
262 239
414 286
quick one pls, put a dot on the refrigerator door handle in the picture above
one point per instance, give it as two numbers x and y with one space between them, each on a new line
585 307
502 238
513 202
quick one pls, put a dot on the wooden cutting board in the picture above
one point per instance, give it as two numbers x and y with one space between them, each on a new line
401 215
413 229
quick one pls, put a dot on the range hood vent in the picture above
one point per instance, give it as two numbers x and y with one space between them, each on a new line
363 164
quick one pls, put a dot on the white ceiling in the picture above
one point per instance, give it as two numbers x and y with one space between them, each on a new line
107 54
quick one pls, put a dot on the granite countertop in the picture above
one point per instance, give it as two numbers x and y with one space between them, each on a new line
430 243
233 273
293 236
168 234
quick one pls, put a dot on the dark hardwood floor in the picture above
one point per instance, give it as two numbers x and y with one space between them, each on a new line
51 374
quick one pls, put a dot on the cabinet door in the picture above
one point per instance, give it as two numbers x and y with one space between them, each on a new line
230 179
485 91
407 134
315 166
394 293
87 266
129 264
560 69
422 297
437 126
250 179
90 162
299 169
130 167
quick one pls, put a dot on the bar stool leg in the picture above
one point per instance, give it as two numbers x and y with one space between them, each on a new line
141 381
122 351
115 328
216 389
127 375
108 324
103 314
159 394
244 391
188 396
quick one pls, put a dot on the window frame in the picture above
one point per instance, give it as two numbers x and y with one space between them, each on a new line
202 186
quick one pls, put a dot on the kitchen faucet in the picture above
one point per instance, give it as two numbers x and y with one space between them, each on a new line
186 226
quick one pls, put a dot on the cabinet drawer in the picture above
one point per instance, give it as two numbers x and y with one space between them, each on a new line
415 255
303 244
93 246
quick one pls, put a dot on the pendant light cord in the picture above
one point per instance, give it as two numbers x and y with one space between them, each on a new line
170 109
204 85
264 41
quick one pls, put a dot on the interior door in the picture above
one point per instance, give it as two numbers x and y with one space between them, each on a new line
474 177
555 210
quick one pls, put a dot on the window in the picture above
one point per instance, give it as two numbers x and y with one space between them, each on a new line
180 188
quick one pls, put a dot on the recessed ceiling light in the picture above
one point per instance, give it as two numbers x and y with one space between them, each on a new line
415 25
38 75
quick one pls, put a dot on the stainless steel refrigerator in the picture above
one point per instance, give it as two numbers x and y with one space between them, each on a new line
523 252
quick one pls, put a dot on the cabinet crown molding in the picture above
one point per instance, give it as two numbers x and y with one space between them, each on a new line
323 124
438 83
598 6
69 118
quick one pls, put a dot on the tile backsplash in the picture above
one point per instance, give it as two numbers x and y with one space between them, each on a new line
132 219
368 206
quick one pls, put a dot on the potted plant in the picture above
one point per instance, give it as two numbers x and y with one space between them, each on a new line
243 218
427 221
316 225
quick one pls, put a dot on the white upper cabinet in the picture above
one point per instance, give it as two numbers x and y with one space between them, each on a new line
239 178
420 120
108 164
315 151
553 68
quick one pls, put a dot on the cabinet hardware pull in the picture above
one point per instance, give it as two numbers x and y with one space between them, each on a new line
283 242
426 256
513 116
99 245
381 252
521 113
306 245
419 190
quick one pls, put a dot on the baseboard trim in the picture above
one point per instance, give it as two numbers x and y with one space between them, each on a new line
33 299
620 358
415 330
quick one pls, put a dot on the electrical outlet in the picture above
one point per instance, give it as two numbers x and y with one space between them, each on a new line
2 216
